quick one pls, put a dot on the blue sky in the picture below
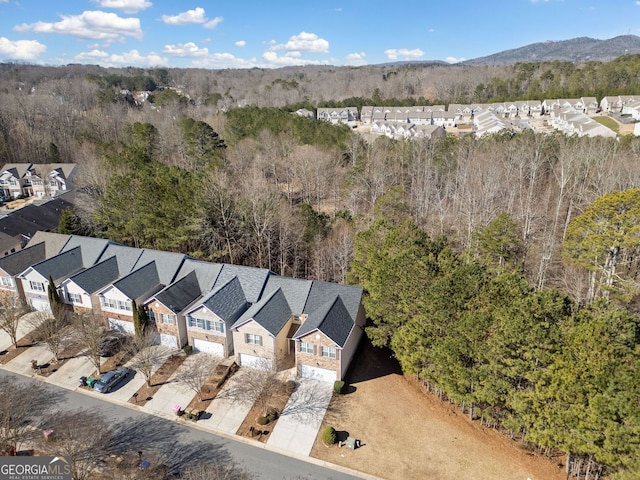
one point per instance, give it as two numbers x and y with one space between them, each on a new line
277 33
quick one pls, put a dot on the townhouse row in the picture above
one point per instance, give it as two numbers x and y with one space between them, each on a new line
30 180
253 314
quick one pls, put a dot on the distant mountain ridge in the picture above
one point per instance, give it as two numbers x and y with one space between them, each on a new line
581 49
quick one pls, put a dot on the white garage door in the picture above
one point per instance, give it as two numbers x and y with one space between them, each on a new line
316 373
40 305
168 340
208 347
121 325
254 362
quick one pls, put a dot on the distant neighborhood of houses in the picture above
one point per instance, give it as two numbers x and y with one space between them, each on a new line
570 116
261 318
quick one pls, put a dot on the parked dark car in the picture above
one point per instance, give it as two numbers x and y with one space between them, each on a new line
110 379
111 343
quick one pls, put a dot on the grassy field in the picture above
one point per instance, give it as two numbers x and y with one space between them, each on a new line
609 123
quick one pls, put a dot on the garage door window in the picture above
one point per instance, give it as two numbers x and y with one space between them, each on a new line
328 352
253 339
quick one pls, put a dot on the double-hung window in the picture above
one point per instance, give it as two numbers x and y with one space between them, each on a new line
306 347
6 281
124 305
37 286
74 297
108 303
167 318
329 352
253 339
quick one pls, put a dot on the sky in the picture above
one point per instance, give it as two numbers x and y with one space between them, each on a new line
278 33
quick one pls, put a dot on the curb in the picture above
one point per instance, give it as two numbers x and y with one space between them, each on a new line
237 438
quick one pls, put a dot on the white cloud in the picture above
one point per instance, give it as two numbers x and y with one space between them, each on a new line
93 24
291 58
454 60
224 60
127 6
189 49
403 53
211 24
197 15
21 49
240 43
356 59
431 30
130 58
305 42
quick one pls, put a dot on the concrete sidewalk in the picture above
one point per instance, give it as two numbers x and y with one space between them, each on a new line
227 412
301 418
173 392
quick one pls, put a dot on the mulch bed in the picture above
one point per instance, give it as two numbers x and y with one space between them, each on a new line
158 379
277 402
212 386
23 344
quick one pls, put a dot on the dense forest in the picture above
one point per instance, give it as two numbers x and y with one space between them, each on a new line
502 271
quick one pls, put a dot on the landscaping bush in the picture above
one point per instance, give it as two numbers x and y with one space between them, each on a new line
290 386
329 436
262 420
187 349
272 414
338 386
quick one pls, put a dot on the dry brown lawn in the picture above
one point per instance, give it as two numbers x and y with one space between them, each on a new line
409 434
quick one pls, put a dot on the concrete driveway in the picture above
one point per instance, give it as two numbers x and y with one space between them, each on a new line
173 392
227 410
68 375
25 325
298 425
22 363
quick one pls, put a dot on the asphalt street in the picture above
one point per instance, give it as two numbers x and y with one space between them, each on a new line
180 444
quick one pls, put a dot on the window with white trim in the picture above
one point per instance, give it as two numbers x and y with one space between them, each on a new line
37 286
6 281
124 305
307 347
329 352
108 303
168 318
74 297
253 339
215 326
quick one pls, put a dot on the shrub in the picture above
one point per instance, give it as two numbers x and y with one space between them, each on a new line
272 414
329 435
290 386
338 385
187 349
262 420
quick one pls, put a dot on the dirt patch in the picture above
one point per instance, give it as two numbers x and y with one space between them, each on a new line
250 427
406 433
212 386
12 352
158 379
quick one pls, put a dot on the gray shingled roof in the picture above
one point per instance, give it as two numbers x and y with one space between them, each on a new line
91 248
252 279
180 293
206 272
272 312
139 281
60 266
31 218
126 256
225 301
53 242
97 276
296 291
331 318
18 262
167 263
321 291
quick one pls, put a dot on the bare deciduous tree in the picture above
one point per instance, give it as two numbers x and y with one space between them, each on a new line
11 312
51 329
199 370
19 403
90 329
260 383
81 436
149 354
217 471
